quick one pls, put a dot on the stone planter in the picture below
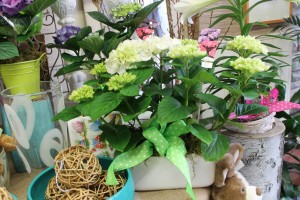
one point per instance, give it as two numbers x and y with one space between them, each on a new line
158 173
262 158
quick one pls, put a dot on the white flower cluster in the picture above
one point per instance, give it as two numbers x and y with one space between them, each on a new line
131 51
248 43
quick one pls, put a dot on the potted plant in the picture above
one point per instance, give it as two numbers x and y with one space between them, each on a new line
19 21
163 76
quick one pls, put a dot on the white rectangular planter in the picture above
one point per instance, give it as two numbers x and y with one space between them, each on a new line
158 173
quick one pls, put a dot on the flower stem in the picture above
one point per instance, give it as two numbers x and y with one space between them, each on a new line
131 109
106 123
187 69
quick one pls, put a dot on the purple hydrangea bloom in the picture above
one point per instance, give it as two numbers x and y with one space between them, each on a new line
65 33
12 7
210 34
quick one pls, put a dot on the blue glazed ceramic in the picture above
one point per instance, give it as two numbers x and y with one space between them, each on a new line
37 187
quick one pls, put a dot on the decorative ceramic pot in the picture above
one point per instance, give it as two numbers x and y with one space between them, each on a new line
158 173
65 10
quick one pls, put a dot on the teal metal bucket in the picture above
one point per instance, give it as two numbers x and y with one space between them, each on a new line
37 187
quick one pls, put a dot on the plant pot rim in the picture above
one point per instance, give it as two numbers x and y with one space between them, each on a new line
257 121
277 129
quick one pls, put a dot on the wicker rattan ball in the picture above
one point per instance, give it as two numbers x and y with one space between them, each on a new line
53 191
104 191
80 194
77 167
4 194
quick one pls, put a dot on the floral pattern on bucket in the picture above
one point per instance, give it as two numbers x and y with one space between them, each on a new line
84 132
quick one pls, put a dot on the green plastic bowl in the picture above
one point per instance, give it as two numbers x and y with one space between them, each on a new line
39 184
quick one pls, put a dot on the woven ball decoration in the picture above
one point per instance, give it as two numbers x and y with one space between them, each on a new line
104 191
54 190
77 167
80 194
4 194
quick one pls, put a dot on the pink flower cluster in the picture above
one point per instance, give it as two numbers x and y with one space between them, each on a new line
208 40
144 32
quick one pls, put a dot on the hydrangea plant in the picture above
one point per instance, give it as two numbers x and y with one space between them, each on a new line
165 77
159 75
88 47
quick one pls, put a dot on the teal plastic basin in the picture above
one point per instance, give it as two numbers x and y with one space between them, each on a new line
13 196
37 187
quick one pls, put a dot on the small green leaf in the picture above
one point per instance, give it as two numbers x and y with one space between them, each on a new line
92 82
216 149
8 50
141 74
118 138
250 94
100 17
71 58
151 89
187 81
136 138
92 43
83 33
170 110
202 133
143 104
247 109
67 114
205 77
72 44
69 68
130 90
216 103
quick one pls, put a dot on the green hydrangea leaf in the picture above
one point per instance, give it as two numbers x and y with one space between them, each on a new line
130 90
216 149
67 114
170 110
118 138
101 105
8 50
201 132
93 43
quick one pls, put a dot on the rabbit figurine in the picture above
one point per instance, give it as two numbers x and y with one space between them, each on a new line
229 183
